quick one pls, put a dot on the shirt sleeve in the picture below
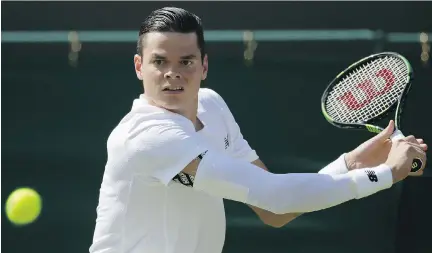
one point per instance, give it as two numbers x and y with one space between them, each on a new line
240 147
162 148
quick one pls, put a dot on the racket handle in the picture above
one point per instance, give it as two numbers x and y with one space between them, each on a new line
397 135
417 162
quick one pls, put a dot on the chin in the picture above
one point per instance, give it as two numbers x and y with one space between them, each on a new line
174 103
172 106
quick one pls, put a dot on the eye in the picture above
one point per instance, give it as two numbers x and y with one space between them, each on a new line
158 62
186 62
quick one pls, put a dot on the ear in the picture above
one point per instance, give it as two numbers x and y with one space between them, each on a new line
138 65
205 67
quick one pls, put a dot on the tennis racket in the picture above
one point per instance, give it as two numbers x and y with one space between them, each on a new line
367 91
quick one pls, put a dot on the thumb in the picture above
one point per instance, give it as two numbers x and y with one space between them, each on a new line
387 132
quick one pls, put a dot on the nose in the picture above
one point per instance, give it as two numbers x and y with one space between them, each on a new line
172 75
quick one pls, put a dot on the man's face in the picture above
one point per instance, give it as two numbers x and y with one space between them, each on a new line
171 69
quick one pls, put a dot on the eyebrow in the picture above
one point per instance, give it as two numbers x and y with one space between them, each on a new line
186 57
158 56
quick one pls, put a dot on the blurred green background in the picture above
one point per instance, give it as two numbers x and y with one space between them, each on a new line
60 100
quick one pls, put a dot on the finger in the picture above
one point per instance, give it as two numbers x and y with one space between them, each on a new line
424 147
411 139
420 141
386 133
417 146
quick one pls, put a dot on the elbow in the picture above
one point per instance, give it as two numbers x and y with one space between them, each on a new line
275 224
277 220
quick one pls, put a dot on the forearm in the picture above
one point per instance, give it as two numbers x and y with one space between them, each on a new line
278 220
269 218
284 193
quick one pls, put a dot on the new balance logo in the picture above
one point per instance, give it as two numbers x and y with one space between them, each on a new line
226 142
372 176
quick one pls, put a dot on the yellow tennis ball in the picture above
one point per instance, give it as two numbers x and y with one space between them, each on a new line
23 206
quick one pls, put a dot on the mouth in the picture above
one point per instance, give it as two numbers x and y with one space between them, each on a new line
173 90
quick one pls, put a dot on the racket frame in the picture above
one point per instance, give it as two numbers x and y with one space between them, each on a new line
397 107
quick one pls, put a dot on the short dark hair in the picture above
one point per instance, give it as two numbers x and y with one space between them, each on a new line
172 19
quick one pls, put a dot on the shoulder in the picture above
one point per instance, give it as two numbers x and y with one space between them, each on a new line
153 141
148 143
207 93
209 97
148 127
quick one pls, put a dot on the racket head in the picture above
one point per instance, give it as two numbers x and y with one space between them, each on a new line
367 91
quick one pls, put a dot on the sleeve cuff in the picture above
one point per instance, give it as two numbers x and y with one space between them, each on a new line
337 167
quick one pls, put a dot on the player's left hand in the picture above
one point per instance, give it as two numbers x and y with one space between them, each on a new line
374 151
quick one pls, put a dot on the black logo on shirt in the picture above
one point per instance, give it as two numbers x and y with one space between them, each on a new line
372 176
226 142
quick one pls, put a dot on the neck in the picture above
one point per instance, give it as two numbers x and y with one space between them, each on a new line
192 116
190 112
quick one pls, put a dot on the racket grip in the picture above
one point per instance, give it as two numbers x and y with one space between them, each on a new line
397 135
416 165
417 162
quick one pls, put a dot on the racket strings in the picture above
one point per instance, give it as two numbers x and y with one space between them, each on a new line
368 91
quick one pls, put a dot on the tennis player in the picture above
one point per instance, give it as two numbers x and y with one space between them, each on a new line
179 152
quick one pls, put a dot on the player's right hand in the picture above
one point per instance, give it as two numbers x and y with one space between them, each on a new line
401 156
